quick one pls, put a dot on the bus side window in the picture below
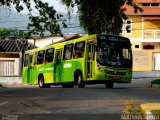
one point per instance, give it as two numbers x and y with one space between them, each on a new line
68 51
26 60
30 59
79 49
35 58
40 57
49 55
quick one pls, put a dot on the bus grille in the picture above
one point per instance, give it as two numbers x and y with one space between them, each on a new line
115 72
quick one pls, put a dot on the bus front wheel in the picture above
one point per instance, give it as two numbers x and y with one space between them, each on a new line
79 80
109 85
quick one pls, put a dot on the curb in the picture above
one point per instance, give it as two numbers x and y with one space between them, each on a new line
147 108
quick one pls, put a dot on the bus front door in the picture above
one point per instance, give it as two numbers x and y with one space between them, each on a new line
58 67
32 78
89 62
29 76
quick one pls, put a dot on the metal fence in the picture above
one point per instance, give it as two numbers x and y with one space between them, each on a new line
7 67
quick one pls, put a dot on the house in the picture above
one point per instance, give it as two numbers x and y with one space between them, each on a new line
143 29
42 41
11 54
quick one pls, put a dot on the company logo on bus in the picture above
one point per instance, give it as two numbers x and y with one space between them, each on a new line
90 40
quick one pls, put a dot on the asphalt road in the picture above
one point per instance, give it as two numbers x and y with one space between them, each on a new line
92 102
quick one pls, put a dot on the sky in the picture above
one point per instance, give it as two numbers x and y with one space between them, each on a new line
58 6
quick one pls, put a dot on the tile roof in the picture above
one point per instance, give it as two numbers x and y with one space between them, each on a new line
13 45
146 10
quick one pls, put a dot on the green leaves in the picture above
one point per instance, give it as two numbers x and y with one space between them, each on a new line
7 32
101 16
44 20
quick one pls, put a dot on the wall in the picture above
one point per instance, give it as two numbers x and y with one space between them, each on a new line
43 41
142 60
16 64
152 24
136 27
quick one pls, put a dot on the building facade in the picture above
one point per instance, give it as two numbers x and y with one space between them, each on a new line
143 28
42 41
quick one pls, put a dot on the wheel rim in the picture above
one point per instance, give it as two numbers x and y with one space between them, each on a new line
41 82
79 81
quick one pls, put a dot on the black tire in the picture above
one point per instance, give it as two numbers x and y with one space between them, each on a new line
41 81
109 85
79 80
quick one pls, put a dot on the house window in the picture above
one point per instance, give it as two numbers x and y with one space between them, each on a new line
150 4
148 47
127 27
136 46
79 49
154 4
145 4
68 51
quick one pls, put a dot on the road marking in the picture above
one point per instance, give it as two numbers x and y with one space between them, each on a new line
3 103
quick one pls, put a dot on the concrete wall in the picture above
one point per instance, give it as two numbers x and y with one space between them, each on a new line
154 74
41 42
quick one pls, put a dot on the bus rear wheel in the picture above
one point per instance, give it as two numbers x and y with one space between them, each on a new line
41 82
109 85
79 80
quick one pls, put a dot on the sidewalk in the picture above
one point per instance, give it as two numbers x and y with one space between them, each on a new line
136 82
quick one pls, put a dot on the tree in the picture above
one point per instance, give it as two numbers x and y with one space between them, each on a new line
47 20
101 16
4 33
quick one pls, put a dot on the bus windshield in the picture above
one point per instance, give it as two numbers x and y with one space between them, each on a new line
114 53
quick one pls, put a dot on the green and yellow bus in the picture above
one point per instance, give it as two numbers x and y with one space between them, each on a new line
93 59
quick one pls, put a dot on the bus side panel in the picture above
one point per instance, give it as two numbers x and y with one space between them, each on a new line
25 75
68 71
48 73
70 67
33 74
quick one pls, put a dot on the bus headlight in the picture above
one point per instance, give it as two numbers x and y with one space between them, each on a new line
99 67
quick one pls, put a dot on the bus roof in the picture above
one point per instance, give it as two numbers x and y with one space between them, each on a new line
70 39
